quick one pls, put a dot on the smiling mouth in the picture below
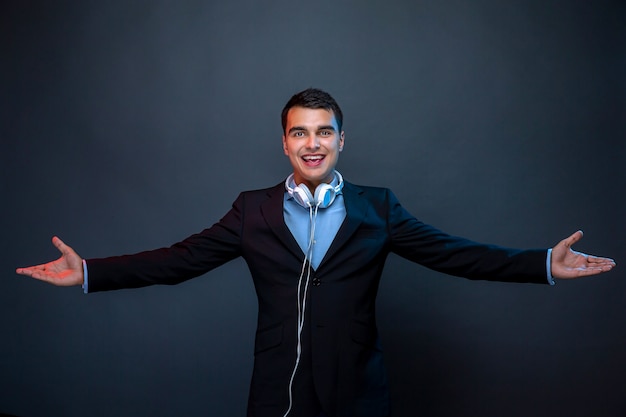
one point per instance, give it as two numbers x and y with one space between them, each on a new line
313 159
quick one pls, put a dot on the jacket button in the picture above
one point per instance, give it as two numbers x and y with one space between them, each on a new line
316 282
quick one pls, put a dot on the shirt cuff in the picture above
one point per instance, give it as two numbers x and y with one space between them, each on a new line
548 268
85 278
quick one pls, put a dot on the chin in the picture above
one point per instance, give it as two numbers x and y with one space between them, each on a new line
318 178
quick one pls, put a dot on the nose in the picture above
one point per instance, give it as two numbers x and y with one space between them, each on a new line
312 142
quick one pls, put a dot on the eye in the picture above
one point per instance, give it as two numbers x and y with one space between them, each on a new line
326 133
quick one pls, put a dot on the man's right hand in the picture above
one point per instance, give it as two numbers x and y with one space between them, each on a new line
65 271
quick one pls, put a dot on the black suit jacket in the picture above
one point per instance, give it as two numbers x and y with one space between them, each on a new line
342 359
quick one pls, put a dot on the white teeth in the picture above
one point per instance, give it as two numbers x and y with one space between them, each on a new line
312 157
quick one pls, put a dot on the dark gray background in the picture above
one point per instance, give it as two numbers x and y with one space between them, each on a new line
130 125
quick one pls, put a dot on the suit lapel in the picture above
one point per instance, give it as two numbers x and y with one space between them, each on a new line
272 211
356 208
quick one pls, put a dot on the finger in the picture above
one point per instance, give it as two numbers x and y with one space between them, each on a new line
23 271
66 251
58 243
575 237
593 270
597 259
36 272
30 270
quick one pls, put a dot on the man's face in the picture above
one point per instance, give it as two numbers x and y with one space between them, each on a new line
312 141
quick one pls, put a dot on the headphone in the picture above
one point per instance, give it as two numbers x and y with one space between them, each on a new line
324 193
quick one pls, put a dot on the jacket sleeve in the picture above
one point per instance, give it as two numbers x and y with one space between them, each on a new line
428 246
187 259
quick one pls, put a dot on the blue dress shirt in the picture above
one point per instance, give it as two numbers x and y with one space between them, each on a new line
327 222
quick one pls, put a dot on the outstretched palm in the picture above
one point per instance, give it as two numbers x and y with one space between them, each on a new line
65 271
567 263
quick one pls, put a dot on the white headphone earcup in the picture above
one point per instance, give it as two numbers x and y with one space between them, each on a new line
303 196
324 195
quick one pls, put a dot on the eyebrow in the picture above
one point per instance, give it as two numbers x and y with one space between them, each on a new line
303 129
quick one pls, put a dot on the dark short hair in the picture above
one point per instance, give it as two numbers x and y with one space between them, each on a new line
313 98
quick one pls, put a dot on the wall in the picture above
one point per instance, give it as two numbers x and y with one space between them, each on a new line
130 125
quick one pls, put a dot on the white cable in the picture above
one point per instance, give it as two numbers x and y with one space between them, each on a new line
302 300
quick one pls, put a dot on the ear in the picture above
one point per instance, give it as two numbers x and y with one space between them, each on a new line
341 141
285 145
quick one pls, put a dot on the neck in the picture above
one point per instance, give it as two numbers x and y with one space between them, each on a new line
313 185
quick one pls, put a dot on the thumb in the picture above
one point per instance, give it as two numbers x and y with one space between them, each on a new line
575 237
65 250
62 247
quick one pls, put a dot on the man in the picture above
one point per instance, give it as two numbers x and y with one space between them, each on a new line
316 246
